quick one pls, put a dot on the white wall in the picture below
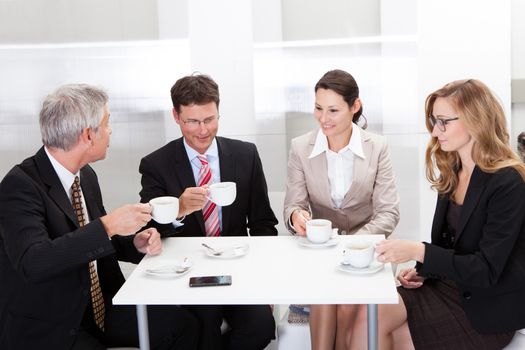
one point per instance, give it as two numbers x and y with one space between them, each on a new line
327 19
517 39
53 21
458 40
518 64
398 51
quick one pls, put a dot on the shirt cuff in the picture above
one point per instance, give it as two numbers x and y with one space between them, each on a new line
178 222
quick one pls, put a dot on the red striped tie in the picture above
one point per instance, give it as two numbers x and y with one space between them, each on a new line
209 212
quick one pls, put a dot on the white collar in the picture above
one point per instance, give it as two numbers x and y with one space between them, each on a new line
65 176
212 151
354 145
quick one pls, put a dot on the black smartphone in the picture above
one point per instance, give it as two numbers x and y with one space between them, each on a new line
208 281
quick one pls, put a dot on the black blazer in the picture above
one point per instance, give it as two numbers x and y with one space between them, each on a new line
44 256
487 261
167 172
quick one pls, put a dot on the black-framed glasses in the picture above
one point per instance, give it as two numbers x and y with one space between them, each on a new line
440 121
194 123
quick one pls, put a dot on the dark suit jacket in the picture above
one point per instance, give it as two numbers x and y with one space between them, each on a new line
44 256
167 172
487 261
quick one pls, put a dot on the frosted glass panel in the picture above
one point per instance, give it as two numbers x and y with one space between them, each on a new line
137 76
386 72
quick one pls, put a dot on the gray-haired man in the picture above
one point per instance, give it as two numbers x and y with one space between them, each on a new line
58 264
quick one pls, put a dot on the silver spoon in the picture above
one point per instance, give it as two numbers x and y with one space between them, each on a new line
184 267
170 269
214 251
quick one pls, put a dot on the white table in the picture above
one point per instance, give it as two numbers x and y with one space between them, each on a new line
276 270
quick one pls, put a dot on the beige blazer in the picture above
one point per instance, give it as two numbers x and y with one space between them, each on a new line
371 205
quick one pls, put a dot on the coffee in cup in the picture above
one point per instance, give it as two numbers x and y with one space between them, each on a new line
358 254
222 193
164 210
318 230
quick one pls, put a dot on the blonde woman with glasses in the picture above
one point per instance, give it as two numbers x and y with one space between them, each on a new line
466 289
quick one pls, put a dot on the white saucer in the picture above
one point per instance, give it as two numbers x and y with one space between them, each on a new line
228 251
304 242
173 270
374 267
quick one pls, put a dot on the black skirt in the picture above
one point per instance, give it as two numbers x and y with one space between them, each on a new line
437 321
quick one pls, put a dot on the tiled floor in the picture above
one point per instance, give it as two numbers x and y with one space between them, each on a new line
294 337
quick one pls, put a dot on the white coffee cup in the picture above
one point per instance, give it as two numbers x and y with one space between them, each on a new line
358 254
318 230
222 193
164 209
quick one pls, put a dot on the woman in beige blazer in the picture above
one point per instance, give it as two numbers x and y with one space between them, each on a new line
341 173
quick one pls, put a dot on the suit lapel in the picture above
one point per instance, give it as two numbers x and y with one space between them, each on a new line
183 172
88 186
56 190
318 167
360 169
439 217
182 166
475 189
227 169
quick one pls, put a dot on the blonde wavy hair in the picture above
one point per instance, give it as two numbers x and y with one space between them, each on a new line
484 118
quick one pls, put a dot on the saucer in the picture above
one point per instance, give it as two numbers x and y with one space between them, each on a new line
175 269
304 242
228 251
374 267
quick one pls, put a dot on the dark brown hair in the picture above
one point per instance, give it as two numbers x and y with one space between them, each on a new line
344 84
194 89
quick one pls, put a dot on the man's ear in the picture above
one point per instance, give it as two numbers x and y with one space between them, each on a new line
86 136
176 115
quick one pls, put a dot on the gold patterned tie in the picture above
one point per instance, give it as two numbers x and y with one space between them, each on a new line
96 292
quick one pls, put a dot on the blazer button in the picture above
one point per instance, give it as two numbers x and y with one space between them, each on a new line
72 332
467 295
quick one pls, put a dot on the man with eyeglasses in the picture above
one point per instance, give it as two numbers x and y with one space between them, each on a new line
182 169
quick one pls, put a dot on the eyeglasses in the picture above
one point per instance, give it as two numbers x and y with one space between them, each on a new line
440 122
195 124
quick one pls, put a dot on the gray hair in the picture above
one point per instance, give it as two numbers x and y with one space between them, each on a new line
69 110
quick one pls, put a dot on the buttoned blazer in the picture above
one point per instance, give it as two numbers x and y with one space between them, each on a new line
370 206
167 172
487 261
44 256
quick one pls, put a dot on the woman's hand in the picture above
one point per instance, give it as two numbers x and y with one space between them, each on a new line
400 250
299 219
410 279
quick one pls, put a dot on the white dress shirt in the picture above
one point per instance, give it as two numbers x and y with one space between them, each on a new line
340 164
67 179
